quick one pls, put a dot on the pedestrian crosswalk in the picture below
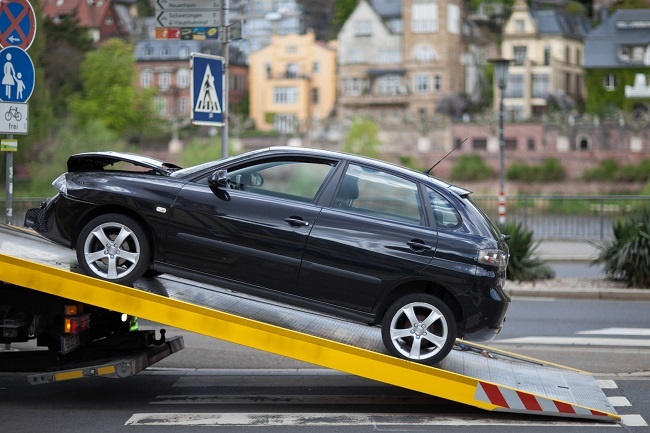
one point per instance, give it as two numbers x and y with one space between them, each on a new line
618 337
296 400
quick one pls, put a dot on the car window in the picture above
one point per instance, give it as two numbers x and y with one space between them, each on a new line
444 213
372 192
294 180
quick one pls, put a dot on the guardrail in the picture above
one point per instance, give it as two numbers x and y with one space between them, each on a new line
565 217
550 217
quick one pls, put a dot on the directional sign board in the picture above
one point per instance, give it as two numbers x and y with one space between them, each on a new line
17 24
18 73
191 18
14 118
207 89
189 5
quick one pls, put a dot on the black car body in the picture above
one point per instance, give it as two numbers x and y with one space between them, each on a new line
351 236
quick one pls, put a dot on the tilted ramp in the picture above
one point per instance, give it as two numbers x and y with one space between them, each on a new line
479 376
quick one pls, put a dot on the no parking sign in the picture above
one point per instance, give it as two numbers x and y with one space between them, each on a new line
17 24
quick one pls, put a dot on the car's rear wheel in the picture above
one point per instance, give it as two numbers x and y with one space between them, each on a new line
420 328
114 247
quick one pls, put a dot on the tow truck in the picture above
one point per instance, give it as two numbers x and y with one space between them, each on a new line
34 268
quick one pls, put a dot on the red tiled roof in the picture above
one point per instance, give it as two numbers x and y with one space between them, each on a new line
90 13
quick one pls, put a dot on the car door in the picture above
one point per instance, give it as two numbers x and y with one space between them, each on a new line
373 235
254 230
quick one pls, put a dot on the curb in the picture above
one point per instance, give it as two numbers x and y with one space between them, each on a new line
591 294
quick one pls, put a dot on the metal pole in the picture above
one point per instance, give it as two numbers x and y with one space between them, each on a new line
502 196
226 57
10 184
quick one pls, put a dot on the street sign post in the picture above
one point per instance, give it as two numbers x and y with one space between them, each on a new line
207 89
17 24
14 118
190 18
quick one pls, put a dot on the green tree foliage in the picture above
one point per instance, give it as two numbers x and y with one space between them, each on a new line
342 11
363 138
524 263
70 139
629 4
609 171
66 46
603 101
550 170
627 257
108 93
470 168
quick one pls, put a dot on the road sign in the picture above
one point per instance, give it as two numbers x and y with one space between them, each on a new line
17 24
17 76
14 118
188 19
189 5
207 89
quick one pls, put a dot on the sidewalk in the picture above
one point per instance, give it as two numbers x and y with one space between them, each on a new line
558 250
577 252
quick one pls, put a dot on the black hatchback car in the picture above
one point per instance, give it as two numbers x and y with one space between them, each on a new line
347 235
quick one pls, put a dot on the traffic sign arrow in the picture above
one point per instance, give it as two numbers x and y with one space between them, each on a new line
189 19
189 5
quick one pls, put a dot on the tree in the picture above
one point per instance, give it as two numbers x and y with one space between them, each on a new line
66 45
342 11
108 92
363 138
452 104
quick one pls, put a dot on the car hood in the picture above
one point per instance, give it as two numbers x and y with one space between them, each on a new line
98 160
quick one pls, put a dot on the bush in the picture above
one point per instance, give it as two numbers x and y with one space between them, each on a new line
524 264
606 171
470 168
627 257
550 170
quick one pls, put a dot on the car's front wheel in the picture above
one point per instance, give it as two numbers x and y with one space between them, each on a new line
420 328
114 247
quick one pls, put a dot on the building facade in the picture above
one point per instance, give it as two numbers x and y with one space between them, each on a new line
397 58
617 63
292 83
546 49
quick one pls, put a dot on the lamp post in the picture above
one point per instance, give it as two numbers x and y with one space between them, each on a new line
501 75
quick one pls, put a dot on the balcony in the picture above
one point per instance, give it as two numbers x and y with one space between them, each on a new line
368 99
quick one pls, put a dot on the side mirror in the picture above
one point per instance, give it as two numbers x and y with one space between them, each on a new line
218 179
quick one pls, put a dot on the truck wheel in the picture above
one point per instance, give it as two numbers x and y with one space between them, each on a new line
420 328
114 247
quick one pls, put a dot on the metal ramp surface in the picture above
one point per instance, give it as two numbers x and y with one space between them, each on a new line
472 374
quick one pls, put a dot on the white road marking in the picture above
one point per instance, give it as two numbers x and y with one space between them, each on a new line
576 341
636 332
324 419
619 401
633 421
607 384
298 399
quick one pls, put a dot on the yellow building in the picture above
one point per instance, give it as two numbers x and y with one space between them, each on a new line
292 83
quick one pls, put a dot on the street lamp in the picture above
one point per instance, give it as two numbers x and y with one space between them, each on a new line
501 75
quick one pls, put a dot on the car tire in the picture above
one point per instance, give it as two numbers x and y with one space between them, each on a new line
120 262
420 328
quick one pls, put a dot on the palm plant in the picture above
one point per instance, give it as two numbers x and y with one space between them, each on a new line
524 263
627 256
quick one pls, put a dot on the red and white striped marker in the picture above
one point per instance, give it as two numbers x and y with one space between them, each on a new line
512 400
502 207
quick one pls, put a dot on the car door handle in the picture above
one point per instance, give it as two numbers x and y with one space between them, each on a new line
418 245
297 222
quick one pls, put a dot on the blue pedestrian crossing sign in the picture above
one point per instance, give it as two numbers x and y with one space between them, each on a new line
17 75
207 89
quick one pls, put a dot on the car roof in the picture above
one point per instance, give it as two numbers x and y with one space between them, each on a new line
422 177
